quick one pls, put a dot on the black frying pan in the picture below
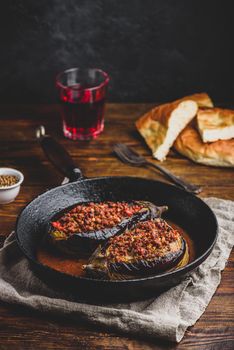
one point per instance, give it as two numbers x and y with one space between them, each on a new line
185 209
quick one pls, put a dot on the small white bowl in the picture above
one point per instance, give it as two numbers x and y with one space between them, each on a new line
9 193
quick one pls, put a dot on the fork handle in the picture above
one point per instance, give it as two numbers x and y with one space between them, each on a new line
177 180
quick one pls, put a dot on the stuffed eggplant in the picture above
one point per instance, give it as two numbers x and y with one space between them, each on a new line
82 228
148 248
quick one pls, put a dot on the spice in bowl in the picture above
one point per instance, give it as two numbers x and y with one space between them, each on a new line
8 180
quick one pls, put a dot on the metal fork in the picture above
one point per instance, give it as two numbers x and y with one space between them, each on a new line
127 155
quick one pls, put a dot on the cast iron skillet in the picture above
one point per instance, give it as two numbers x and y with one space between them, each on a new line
185 209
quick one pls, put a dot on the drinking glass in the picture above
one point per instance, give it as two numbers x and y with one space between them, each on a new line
82 95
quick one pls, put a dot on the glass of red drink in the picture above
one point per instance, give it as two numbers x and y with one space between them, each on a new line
82 95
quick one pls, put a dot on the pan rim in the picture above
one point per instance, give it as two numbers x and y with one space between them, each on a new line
189 267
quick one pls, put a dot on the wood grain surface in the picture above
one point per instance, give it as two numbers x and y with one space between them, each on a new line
23 329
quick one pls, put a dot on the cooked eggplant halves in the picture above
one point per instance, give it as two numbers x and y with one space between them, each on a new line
148 248
85 226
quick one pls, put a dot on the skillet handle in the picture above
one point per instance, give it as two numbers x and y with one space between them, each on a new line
58 155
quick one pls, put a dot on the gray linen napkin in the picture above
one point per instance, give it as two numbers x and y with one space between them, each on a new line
166 316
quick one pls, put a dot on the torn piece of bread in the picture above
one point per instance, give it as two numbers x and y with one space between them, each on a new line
190 144
215 124
203 100
161 126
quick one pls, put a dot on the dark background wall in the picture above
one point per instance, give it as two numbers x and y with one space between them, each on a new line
154 50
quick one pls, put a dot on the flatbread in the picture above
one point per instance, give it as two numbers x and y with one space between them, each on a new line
218 153
215 124
161 126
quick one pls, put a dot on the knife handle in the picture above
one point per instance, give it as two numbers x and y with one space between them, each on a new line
58 155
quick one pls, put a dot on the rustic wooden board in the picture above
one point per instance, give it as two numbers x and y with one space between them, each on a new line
22 329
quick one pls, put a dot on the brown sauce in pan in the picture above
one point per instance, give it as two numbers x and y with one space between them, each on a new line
59 262
189 241
73 266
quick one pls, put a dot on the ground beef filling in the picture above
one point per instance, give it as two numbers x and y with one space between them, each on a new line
147 241
95 216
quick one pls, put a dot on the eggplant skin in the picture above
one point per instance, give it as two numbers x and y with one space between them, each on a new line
84 242
99 268
144 267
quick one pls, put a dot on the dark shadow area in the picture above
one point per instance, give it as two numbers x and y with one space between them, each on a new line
153 50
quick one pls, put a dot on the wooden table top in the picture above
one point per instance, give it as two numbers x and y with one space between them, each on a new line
24 329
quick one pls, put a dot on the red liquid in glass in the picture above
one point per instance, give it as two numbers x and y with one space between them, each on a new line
83 113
